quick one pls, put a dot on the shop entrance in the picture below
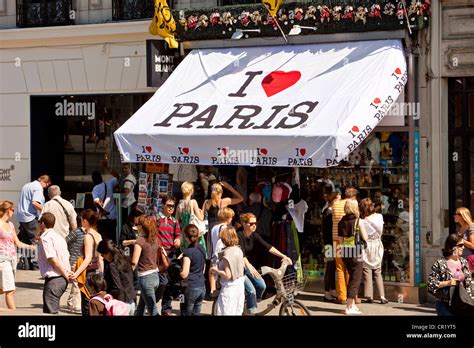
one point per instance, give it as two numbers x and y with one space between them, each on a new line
461 145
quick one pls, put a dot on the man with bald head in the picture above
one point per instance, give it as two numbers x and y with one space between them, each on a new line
62 210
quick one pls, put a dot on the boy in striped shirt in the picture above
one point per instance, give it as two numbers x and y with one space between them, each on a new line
169 234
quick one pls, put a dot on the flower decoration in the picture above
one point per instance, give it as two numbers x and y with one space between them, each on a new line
348 12
283 17
271 21
244 18
310 13
256 18
192 22
389 9
375 11
361 14
324 13
215 19
337 13
203 21
299 14
217 23
426 7
227 18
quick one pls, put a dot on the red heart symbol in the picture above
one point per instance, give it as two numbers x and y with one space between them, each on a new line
148 149
224 151
264 151
377 101
355 129
186 150
277 81
302 152
398 71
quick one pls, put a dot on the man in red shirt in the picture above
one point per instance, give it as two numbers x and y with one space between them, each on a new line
169 234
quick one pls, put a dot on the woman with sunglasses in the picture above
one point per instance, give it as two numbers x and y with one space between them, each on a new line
447 271
254 283
8 243
466 231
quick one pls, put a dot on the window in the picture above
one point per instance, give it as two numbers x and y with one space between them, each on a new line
42 13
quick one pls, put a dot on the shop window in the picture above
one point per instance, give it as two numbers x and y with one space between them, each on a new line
378 169
42 13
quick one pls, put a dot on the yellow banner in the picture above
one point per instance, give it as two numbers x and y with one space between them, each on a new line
272 6
163 23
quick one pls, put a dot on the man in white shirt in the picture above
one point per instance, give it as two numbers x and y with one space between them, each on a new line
103 196
53 260
29 208
62 210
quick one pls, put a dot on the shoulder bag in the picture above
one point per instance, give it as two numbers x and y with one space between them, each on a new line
194 220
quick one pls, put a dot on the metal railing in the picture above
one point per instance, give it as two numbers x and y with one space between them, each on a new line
134 9
44 13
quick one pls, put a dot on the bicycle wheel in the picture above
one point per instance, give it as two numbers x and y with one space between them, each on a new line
295 308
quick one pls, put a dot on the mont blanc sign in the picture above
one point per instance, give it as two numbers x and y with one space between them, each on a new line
301 105
161 62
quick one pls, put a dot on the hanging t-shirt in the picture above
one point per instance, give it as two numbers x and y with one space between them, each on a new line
373 145
297 212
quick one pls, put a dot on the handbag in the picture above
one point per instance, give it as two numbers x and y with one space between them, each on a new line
163 261
194 220
461 302
82 279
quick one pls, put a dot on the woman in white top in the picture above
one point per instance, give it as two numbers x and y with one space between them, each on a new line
374 252
231 270
225 217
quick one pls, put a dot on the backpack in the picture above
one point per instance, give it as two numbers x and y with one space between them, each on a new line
113 307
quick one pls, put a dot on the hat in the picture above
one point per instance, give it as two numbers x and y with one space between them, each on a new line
277 193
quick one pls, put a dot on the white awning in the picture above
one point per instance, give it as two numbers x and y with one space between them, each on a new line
304 105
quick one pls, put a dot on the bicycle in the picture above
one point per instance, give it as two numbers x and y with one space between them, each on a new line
287 287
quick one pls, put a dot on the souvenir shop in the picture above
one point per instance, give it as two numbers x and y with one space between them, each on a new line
321 130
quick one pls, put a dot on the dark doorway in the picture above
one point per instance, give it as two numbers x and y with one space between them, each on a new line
461 145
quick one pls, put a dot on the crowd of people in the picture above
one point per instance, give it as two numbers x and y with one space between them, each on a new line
199 246
81 250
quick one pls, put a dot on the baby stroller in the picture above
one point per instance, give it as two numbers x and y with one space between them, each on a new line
176 284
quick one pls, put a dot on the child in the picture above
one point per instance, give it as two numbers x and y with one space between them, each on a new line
98 285
194 262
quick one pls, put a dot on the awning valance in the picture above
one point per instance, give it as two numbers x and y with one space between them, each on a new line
305 105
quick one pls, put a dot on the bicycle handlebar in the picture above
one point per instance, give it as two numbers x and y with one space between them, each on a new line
275 273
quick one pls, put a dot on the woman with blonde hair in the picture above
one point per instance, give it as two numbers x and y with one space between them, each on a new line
8 258
466 231
254 284
92 261
351 230
216 203
225 219
231 270
185 209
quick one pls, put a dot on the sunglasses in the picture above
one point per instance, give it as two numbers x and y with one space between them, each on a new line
170 206
460 245
251 223
457 214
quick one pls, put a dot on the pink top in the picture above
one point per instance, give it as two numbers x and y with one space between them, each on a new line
455 268
7 242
